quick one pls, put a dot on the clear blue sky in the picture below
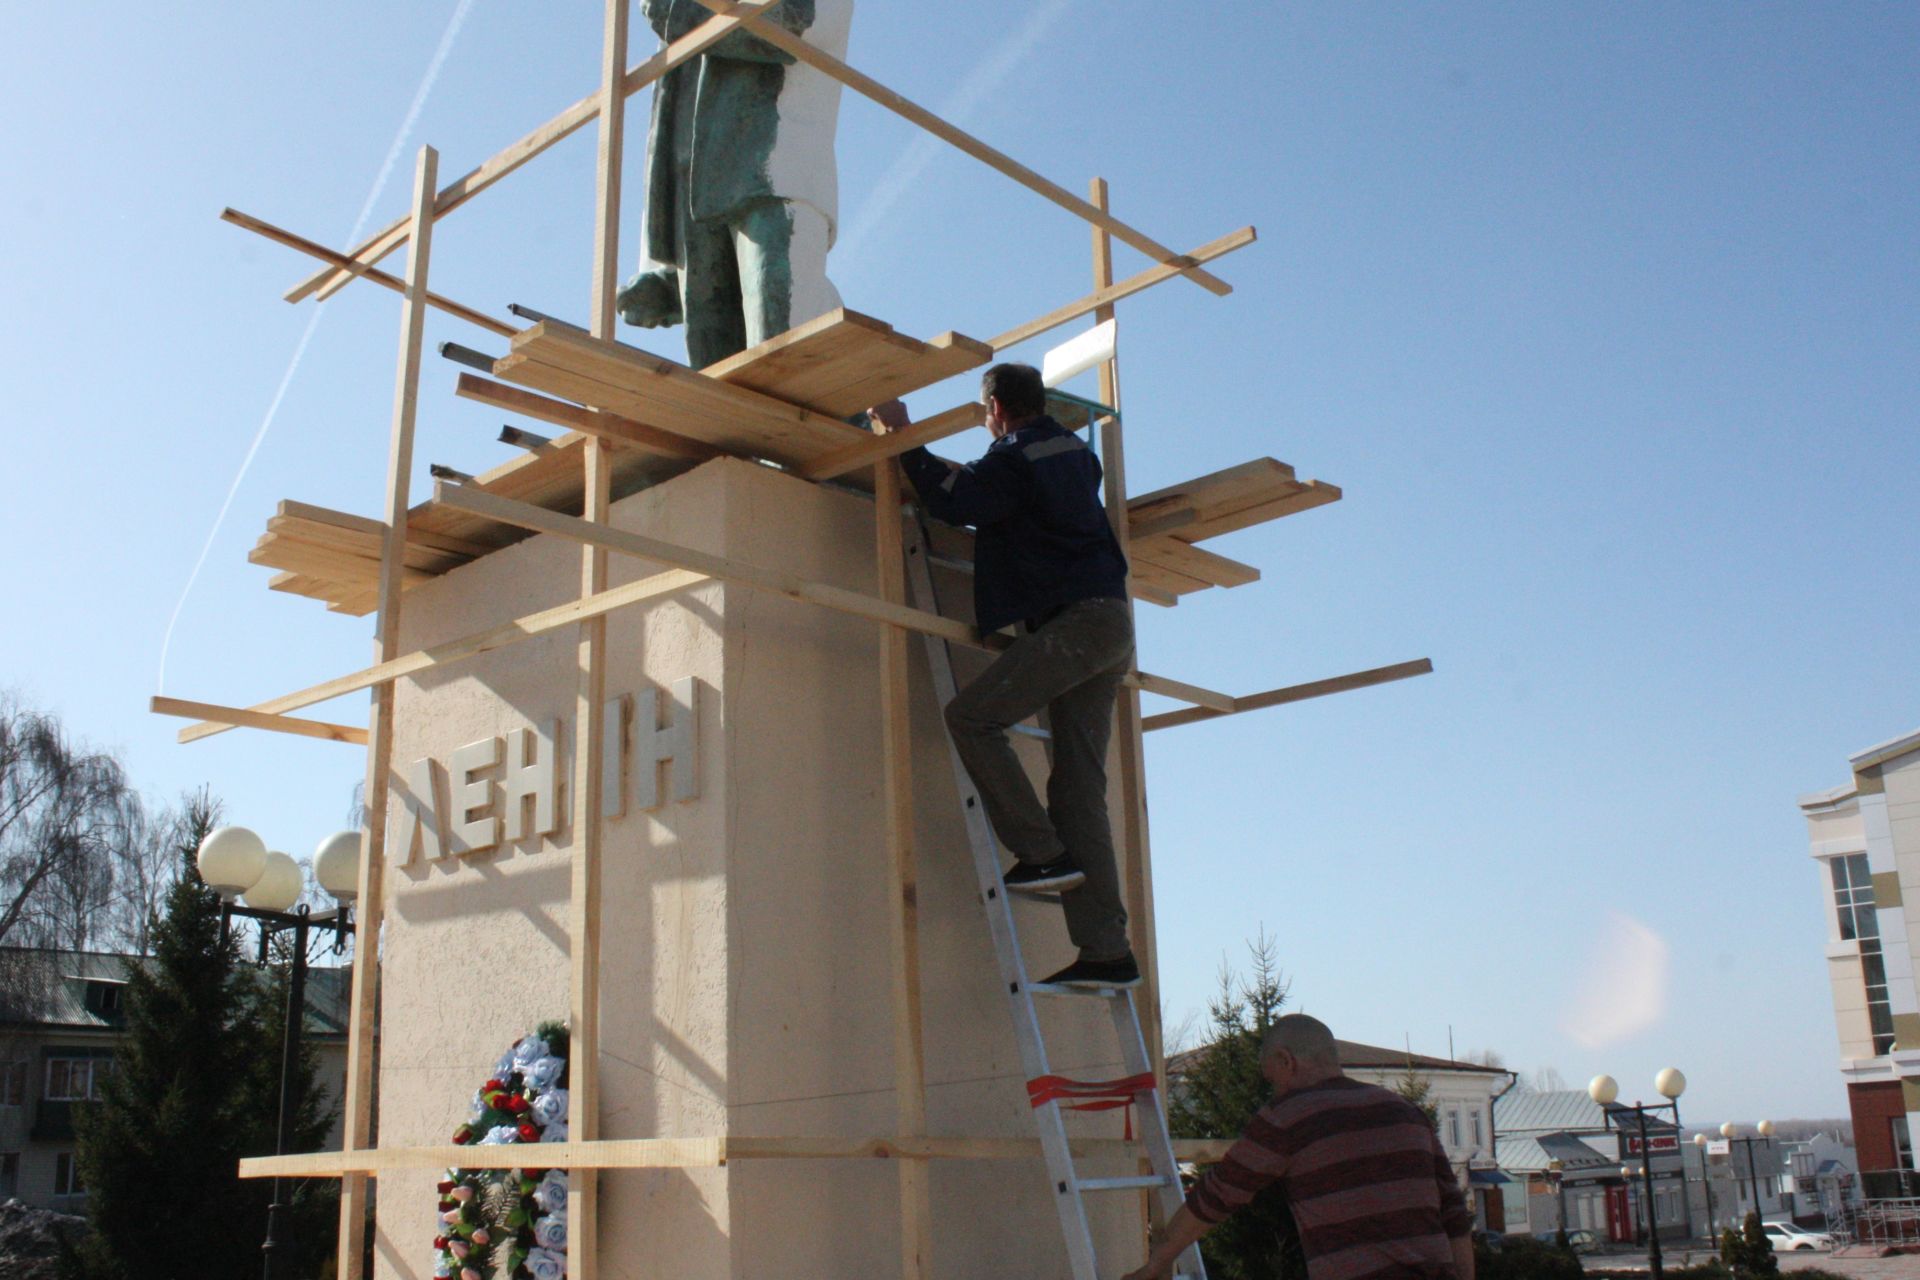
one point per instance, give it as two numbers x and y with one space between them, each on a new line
1603 316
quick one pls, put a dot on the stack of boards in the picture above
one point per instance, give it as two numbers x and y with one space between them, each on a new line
786 402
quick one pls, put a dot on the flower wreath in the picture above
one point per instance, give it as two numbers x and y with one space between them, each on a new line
525 1100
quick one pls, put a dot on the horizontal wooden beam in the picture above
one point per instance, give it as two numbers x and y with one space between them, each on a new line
1294 693
1123 289
240 717
587 109
777 581
593 422
279 236
691 1153
864 453
868 87
440 655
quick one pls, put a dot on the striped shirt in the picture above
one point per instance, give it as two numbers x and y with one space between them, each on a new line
1371 1190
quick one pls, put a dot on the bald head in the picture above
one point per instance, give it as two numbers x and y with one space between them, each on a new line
1307 1039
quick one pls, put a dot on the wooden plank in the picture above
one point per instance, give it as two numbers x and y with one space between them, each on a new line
1103 298
239 717
1181 557
697 1153
902 877
1165 522
490 171
1230 488
363 1007
778 581
1137 864
583 928
281 552
942 358
673 396
606 426
260 226
873 89
1295 693
1314 493
863 453
373 528
291 529
805 357
469 646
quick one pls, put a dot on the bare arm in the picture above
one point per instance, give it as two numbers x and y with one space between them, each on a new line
1182 1233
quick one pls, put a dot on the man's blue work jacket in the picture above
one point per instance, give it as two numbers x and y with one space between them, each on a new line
1041 536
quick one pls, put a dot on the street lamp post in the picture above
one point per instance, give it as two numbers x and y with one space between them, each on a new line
1604 1090
1765 1130
1706 1180
235 862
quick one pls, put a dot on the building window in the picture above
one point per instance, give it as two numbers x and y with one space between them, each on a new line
9 1175
76 1079
1478 1141
13 1083
1902 1143
1453 1128
1853 906
66 1175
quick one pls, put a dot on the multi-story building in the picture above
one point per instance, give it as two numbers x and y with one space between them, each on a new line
1865 835
61 1021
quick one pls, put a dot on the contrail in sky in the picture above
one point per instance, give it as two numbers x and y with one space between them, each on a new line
981 83
400 136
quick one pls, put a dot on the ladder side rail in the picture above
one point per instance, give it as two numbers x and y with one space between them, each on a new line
1154 1130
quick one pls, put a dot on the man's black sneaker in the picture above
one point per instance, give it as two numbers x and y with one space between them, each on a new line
1043 877
1098 973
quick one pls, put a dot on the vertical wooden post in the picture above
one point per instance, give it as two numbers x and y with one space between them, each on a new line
584 925
358 1120
896 730
1133 773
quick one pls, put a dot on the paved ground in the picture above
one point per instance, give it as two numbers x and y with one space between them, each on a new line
1897 1268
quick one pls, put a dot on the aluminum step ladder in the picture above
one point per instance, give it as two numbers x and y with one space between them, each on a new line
1070 1189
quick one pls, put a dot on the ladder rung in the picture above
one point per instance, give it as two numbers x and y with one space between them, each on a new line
1061 989
1138 1183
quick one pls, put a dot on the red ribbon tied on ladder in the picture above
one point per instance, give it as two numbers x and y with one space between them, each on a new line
1091 1095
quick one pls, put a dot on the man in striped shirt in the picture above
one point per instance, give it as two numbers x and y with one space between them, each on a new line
1371 1190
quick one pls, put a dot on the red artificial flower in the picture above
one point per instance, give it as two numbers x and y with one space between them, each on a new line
462 1136
517 1104
439 1242
528 1133
444 1187
493 1084
535 1174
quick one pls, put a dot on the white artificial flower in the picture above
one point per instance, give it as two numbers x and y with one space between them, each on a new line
542 1264
550 1107
528 1052
550 1231
501 1135
551 1194
503 1067
544 1073
555 1133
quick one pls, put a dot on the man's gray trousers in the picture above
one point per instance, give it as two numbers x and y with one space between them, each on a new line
1072 667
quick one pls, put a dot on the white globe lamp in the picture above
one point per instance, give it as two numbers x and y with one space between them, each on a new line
336 865
1603 1090
231 860
1727 1130
1671 1083
279 885
1766 1128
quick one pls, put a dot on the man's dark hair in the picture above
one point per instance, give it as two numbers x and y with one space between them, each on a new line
1017 387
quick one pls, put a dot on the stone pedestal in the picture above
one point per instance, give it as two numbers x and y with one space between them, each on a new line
744 936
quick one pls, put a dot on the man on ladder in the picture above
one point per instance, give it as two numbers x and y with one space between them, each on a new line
1045 556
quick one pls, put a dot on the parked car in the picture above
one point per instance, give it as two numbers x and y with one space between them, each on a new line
1581 1240
1784 1235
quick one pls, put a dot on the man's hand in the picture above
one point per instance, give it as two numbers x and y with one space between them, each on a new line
892 416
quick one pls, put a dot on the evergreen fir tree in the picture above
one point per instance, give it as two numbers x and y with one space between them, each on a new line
195 1088
1416 1088
1217 1097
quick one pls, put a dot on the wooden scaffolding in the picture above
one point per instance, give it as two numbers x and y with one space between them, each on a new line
633 418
